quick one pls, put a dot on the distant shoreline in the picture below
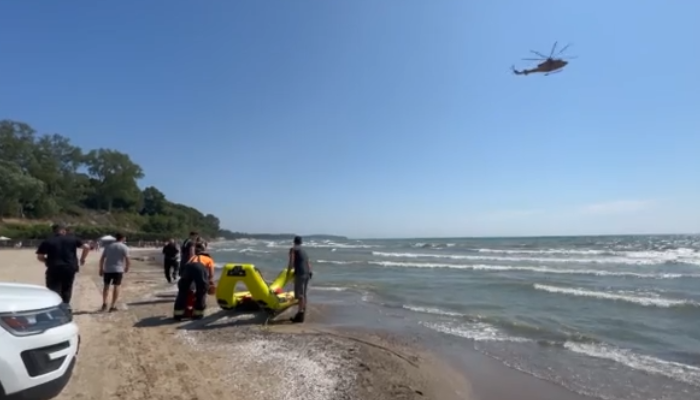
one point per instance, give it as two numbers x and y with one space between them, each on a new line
288 236
524 236
278 236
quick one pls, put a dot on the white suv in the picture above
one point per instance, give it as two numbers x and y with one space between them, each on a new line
38 343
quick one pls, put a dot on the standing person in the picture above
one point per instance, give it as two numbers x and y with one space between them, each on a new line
198 270
171 263
299 261
186 249
114 263
59 254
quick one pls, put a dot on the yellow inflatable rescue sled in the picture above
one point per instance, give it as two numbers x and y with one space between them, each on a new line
260 295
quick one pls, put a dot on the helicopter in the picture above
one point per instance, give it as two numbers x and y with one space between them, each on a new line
549 65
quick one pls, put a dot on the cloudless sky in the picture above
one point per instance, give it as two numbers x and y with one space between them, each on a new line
377 118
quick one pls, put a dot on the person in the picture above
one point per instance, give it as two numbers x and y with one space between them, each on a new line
198 270
186 248
171 262
299 262
59 255
114 263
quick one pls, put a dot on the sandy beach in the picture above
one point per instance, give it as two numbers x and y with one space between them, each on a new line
139 353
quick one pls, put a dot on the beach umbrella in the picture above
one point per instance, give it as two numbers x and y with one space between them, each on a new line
108 238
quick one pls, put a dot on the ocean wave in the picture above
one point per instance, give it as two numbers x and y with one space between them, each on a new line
544 270
324 244
547 251
597 260
436 246
647 301
661 255
503 268
338 262
329 288
478 331
484 332
432 310
651 365
242 250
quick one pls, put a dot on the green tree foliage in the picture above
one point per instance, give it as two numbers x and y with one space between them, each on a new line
47 178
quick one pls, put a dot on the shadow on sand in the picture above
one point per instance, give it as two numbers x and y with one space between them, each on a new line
87 312
219 319
160 298
149 302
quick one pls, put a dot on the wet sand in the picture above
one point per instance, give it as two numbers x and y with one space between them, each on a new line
140 353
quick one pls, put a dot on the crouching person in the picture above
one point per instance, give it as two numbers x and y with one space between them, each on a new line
198 271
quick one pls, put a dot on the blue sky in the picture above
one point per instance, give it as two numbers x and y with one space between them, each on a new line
375 118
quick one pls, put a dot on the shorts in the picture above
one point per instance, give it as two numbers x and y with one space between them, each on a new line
301 285
112 278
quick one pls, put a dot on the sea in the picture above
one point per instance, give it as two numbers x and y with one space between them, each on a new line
611 317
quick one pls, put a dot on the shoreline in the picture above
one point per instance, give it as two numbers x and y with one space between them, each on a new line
224 341
151 357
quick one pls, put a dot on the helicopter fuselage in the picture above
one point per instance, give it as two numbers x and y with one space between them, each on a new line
550 65
546 67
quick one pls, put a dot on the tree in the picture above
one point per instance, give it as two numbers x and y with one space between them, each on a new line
17 144
117 176
20 191
48 177
154 201
212 223
55 163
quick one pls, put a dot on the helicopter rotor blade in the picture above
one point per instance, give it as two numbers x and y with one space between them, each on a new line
563 49
533 59
539 54
554 47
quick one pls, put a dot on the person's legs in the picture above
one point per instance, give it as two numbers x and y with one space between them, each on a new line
116 286
176 269
106 281
167 265
53 281
306 292
183 286
300 285
67 281
201 282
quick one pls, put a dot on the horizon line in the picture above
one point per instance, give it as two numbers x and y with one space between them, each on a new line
484 237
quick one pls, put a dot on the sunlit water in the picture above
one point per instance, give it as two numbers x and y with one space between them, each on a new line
613 317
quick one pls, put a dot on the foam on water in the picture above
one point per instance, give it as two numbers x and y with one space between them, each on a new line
520 301
484 332
545 270
693 259
653 301
652 365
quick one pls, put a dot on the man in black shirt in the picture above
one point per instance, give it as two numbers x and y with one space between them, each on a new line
186 249
170 260
59 254
299 261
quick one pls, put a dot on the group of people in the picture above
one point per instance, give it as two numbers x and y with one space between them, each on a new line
59 254
195 268
190 265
